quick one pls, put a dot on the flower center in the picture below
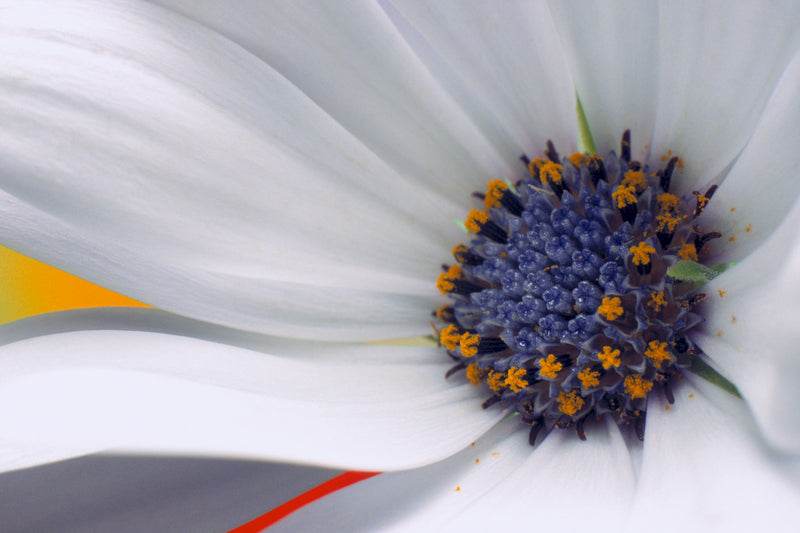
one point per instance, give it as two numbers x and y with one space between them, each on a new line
561 304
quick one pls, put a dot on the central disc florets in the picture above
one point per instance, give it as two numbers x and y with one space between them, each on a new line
562 304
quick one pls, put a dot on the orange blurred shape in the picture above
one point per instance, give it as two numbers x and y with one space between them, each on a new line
29 287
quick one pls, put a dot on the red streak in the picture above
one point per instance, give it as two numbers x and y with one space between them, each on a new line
282 511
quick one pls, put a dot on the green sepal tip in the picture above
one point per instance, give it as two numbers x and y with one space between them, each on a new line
585 140
685 270
702 369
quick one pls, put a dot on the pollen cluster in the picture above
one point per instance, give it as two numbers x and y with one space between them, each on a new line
561 305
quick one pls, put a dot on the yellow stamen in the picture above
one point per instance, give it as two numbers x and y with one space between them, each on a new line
657 352
450 337
550 173
578 159
624 196
668 202
459 249
516 379
635 179
475 220
637 387
589 377
570 403
475 375
549 367
533 166
609 357
445 282
611 308
657 301
667 223
641 253
496 380
445 313
494 192
688 251
469 344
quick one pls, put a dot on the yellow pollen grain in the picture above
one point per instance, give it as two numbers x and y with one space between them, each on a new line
722 293
657 301
609 357
475 375
748 228
458 488
577 159
494 192
668 202
624 196
691 396
550 173
477 460
657 352
731 239
611 308
469 344
635 179
450 337
475 220
668 223
516 379
637 387
570 403
688 252
641 253
445 282
589 377
459 249
496 380
549 367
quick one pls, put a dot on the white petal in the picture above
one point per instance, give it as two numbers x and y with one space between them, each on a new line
719 63
14 456
702 459
134 494
763 184
503 63
352 62
751 333
148 154
150 392
496 485
612 51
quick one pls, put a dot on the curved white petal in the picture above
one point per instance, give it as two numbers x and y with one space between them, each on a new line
764 183
751 334
351 61
503 63
151 392
128 494
498 484
612 52
719 63
149 154
15 456
702 459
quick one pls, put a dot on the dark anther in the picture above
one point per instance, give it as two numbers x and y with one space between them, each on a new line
664 237
700 238
625 146
666 176
702 200
557 188
680 344
524 159
511 201
693 300
493 232
629 213
551 153
479 195
579 428
536 426
668 392
635 166
445 267
446 314
465 257
645 269
491 345
459 366
597 170
464 287
490 402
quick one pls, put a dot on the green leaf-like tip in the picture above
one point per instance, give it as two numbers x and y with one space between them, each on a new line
585 141
685 270
705 371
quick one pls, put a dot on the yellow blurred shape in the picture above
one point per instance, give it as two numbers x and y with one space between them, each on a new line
29 287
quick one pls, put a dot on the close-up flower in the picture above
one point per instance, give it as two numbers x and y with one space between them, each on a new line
281 185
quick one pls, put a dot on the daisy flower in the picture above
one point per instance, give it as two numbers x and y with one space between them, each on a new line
281 180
